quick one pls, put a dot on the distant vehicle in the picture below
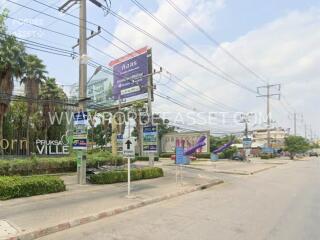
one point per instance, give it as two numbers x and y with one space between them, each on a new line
237 157
313 154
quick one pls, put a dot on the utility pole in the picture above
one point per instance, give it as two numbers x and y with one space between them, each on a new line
295 123
268 95
305 131
83 59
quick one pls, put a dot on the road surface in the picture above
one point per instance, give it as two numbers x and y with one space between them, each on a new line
280 203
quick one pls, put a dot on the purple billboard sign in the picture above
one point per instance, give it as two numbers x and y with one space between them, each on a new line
130 78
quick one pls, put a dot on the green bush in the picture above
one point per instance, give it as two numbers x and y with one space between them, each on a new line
202 155
122 175
16 186
45 165
166 155
145 158
267 156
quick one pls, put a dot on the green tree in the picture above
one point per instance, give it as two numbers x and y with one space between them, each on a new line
12 54
296 144
50 92
33 76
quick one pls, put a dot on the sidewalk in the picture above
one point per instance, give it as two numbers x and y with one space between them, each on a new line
79 203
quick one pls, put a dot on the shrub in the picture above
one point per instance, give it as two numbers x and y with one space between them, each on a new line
16 186
122 175
267 156
202 155
145 158
166 155
44 165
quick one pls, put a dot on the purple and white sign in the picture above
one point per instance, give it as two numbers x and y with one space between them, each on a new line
130 76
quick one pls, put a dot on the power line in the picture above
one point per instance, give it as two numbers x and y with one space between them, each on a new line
185 15
105 30
161 23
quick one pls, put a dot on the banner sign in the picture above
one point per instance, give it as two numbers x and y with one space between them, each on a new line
180 158
247 142
80 137
119 143
150 139
130 76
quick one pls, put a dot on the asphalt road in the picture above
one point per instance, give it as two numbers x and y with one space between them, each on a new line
280 203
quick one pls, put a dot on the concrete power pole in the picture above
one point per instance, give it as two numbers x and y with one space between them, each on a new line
295 123
83 59
83 76
268 95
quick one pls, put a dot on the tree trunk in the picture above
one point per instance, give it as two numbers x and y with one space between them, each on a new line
138 127
1 132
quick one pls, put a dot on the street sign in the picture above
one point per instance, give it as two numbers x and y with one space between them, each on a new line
119 143
80 121
128 147
180 158
247 142
150 139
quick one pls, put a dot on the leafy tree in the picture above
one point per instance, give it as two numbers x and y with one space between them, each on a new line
296 144
12 54
33 75
50 91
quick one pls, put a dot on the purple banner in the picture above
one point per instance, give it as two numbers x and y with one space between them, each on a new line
129 78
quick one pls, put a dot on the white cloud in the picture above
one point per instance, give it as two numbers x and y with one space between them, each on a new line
284 51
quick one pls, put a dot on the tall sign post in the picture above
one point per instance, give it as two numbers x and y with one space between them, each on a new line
150 142
181 159
79 143
129 152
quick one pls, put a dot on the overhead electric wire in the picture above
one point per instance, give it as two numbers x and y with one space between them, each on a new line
118 39
65 34
166 45
162 24
209 36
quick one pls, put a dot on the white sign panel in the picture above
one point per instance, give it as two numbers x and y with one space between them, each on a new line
128 147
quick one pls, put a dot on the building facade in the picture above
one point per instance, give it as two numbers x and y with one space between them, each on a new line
186 140
277 137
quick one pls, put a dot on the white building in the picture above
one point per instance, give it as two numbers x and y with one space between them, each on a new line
99 89
277 137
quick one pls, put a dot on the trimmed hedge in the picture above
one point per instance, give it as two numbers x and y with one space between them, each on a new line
203 155
166 155
267 156
145 158
16 186
55 164
122 175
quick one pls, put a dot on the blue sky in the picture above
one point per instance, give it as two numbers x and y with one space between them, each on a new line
274 38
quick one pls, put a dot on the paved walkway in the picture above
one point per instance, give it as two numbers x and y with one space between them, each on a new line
29 214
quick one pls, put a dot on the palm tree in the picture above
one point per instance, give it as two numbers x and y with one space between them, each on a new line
33 76
12 54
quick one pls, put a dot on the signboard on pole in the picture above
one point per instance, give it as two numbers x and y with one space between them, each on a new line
247 142
120 143
150 139
130 76
180 158
80 138
128 147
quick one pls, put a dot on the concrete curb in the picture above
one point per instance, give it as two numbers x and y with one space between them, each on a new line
77 222
244 172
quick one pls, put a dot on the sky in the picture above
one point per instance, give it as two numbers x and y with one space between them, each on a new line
276 40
